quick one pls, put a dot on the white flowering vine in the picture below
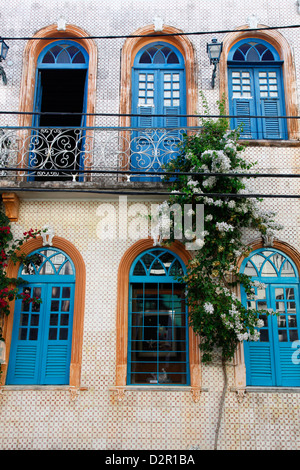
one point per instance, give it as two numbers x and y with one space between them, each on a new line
216 314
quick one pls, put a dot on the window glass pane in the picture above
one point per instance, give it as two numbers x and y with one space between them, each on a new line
238 55
63 333
65 305
34 320
22 334
294 335
159 58
33 334
292 319
55 306
264 336
52 333
282 335
281 320
64 319
55 292
66 292
173 59
54 319
268 269
24 319
79 58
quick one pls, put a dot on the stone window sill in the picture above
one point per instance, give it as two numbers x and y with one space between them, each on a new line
256 389
121 390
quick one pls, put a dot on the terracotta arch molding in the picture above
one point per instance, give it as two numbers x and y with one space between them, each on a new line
282 46
30 57
122 313
79 303
129 51
33 49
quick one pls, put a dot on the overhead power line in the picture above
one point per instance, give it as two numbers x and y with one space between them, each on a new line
138 192
123 172
62 113
157 34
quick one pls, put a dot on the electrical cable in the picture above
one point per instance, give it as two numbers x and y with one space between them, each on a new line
228 116
153 173
149 193
156 34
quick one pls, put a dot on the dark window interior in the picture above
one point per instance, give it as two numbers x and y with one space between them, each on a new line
62 91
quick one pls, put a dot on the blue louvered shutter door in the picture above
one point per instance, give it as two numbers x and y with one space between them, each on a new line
259 364
58 335
259 358
145 117
27 337
269 95
286 330
242 102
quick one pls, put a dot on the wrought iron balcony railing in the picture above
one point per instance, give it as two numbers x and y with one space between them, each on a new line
84 154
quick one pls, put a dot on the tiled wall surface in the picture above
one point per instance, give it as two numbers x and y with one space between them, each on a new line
50 418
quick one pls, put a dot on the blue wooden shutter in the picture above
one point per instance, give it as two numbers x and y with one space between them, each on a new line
242 102
145 117
271 125
42 333
270 102
242 109
27 340
259 364
286 331
259 356
58 335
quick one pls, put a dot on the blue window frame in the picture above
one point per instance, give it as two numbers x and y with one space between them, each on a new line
270 361
256 89
158 88
158 321
57 140
42 333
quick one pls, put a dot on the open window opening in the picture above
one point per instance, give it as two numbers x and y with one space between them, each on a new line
57 140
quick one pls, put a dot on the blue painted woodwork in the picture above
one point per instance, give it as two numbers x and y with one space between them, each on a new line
42 333
269 362
256 89
58 56
158 321
158 87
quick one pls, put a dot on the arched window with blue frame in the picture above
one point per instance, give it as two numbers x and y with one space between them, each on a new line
61 96
256 89
271 360
158 347
40 350
158 100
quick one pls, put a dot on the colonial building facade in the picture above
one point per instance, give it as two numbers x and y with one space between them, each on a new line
98 90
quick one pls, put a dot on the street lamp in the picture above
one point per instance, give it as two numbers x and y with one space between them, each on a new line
3 53
214 50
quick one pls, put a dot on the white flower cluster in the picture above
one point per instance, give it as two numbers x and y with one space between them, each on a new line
208 307
230 146
234 322
194 186
224 227
221 162
209 182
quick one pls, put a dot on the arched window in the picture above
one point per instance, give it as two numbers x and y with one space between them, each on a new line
60 88
158 321
42 332
256 89
271 360
158 98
